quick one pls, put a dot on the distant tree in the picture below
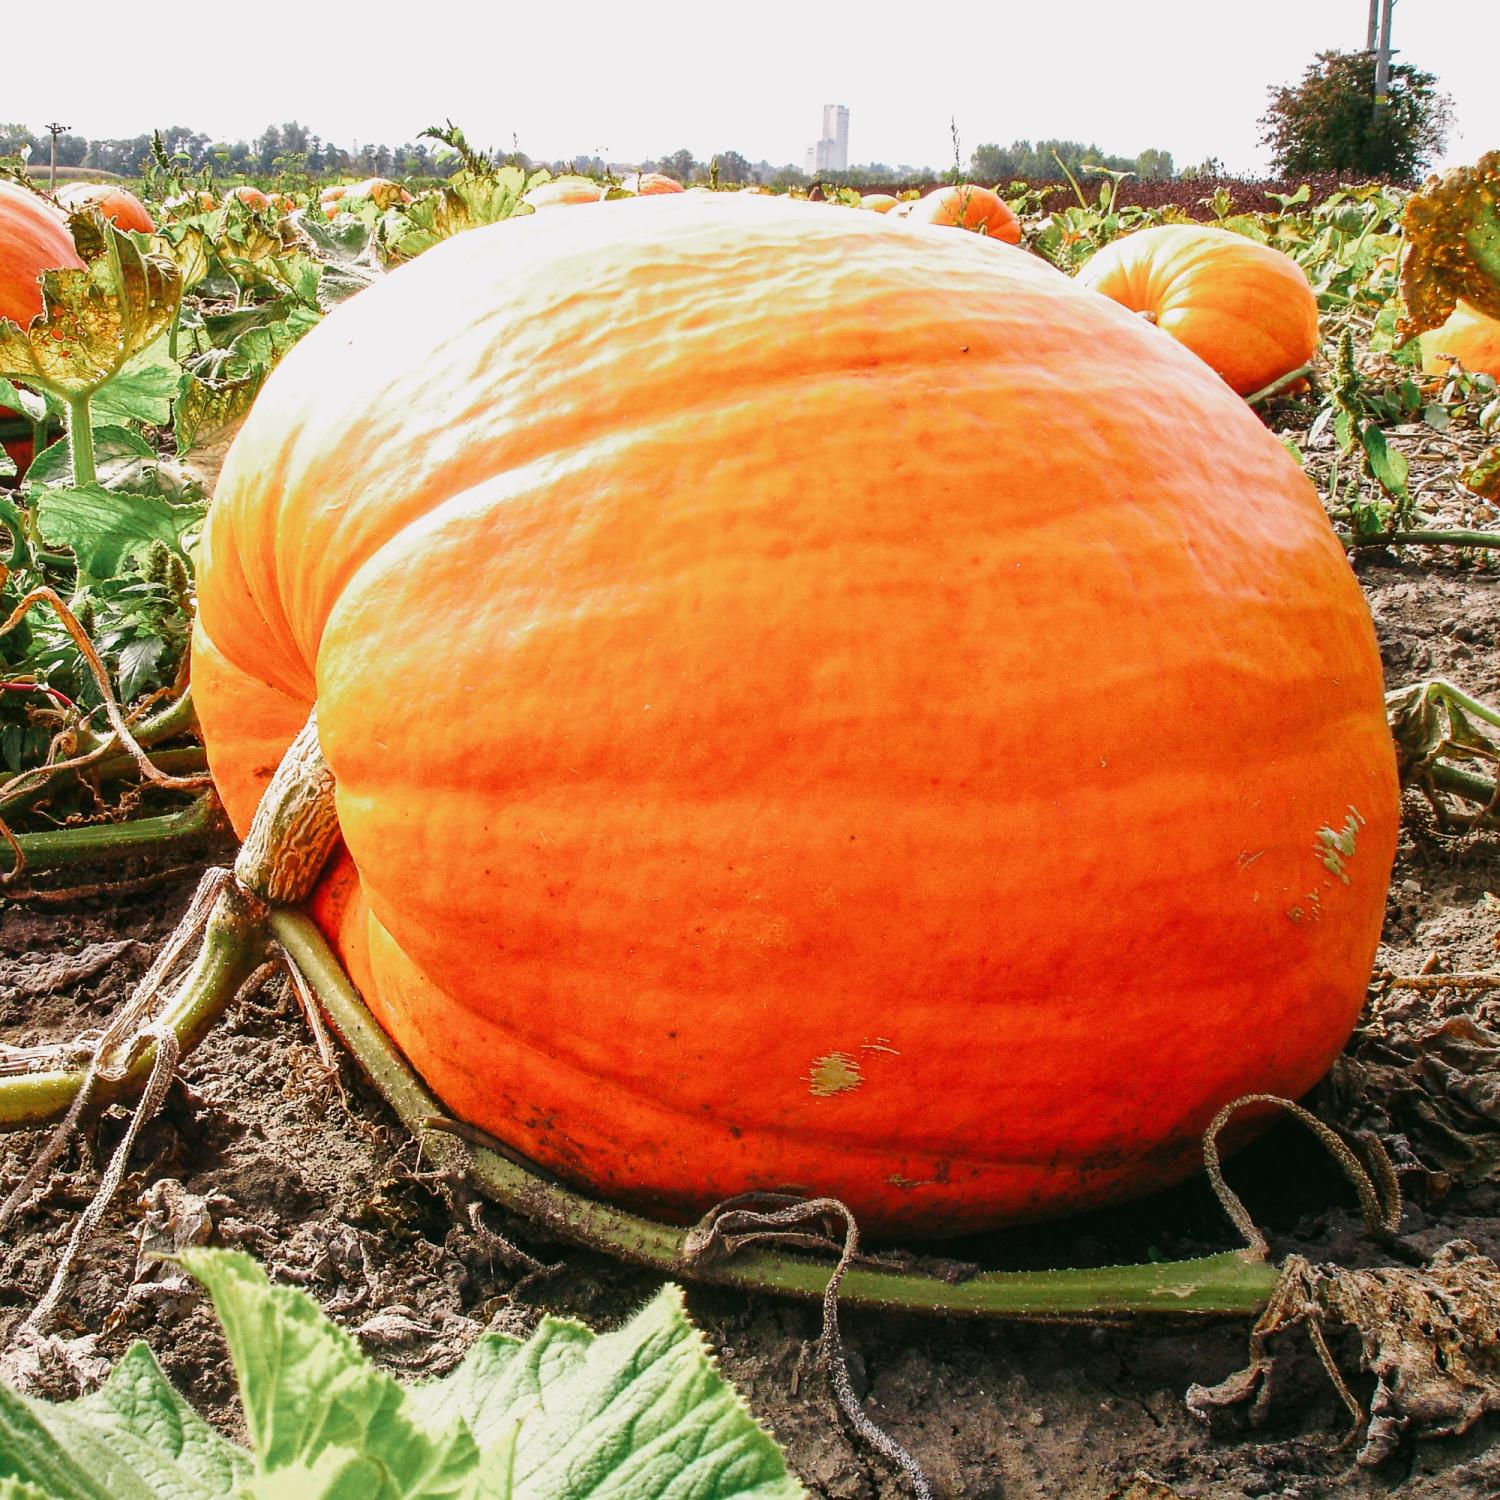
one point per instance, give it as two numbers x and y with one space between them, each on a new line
1328 122
788 176
989 163
679 164
267 148
1154 164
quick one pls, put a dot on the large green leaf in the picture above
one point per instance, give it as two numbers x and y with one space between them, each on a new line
104 527
638 1414
142 392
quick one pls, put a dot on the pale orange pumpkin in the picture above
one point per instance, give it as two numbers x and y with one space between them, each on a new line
1243 308
562 191
646 183
1469 337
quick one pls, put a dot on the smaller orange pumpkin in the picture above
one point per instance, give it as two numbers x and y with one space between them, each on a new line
380 190
122 208
564 190
966 205
1469 337
33 238
191 203
644 183
250 196
1244 309
880 203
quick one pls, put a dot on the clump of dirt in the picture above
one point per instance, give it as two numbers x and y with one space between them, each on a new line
259 1146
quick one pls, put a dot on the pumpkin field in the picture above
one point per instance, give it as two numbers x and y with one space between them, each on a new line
921 767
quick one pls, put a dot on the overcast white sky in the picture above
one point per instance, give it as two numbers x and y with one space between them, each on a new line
633 82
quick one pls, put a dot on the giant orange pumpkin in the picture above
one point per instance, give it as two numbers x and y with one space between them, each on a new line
120 206
1469 337
1243 308
34 238
722 813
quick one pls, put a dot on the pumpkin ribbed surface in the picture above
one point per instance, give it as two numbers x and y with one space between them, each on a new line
954 834
1469 337
1243 308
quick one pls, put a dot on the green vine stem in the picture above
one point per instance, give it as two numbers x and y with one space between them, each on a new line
1434 725
95 843
184 760
1279 385
1232 1284
232 946
1458 538
81 440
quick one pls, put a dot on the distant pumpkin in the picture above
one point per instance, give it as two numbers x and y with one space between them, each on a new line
1244 309
121 207
645 183
564 190
381 191
966 205
880 203
249 195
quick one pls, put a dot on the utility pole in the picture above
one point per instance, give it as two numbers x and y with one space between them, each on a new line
56 130
1374 27
1382 55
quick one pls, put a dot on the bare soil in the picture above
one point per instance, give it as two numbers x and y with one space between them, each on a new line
310 1173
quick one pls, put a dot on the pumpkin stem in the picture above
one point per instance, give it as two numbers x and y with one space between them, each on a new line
296 825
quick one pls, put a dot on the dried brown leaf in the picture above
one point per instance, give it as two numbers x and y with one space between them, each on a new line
1452 250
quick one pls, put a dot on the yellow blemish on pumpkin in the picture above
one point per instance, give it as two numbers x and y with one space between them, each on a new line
835 1073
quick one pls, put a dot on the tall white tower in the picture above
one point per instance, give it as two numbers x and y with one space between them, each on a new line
835 138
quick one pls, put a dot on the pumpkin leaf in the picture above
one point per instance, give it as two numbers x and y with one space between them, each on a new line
94 320
1387 464
186 246
209 406
35 404
104 528
143 391
125 464
1452 246
632 1415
